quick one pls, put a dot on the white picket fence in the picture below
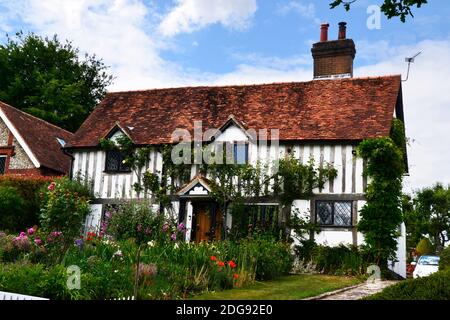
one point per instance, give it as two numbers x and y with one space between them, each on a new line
15 296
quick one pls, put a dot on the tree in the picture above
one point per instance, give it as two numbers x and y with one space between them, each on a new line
47 79
430 216
391 8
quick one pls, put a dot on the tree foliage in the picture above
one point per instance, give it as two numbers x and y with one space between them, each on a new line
47 79
391 8
429 215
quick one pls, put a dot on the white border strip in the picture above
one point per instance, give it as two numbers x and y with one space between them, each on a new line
19 139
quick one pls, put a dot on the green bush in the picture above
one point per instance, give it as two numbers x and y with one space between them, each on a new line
12 208
65 205
444 262
340 260
424 247
28 188
433 287
34 280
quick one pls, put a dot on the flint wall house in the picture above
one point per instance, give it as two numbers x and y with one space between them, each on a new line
31 146
324 119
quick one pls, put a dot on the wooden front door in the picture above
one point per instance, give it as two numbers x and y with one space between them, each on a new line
205 215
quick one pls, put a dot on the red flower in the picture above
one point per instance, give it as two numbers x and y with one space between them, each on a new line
220 263
232 264
52 186
235 276
213 258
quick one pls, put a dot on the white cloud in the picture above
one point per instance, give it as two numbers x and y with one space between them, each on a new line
305 10
191 15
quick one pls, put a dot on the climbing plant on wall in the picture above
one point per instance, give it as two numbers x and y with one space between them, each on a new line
286 179
382 215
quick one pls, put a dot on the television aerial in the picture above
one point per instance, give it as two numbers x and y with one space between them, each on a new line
410 60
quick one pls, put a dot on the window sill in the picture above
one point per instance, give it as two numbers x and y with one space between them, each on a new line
116 172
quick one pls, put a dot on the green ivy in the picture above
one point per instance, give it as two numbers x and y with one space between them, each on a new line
382 214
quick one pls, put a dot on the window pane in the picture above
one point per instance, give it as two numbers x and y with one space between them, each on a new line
113 159
343 213
324 212
2 165
240 153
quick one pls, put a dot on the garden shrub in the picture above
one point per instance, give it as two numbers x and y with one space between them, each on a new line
65 205
444 262
424 247
28 189
12 208
339 260
433 287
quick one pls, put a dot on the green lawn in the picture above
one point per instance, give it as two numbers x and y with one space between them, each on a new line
285 288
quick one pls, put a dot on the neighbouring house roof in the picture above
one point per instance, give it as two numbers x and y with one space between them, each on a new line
343 109
40 139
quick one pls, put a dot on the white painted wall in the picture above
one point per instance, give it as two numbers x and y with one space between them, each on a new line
91 165
93 220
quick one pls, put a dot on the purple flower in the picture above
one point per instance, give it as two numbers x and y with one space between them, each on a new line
173 236
30 231
38 241
22 234
108 215
139 228
165 227
79 243
181 227
147 231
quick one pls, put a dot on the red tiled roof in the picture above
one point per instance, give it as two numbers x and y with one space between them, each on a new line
40 136
344 109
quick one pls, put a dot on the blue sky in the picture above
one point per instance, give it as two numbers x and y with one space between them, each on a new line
168 43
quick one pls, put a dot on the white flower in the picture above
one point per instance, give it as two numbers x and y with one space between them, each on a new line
151 243
118 253
176 246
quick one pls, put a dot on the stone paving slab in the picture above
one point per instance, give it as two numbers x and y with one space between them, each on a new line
355 292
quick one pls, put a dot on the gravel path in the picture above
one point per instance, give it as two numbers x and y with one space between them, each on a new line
356 292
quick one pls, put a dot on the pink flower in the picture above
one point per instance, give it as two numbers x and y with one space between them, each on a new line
38 241
181 227
165 227
52 186
30 231
22 234
173 237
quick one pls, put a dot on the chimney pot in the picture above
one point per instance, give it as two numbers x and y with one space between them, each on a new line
324 32
342 30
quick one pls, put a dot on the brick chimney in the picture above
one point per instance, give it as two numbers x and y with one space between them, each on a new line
333 59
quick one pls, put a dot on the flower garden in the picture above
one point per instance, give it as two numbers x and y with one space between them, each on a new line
137 252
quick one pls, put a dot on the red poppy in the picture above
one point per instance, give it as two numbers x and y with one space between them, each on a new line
235 276
232 264
220 263
213 258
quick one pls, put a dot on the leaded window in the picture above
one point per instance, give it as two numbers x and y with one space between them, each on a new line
2 164
334 213
115 162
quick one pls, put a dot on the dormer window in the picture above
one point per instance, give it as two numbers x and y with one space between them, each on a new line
115 162
240 153
62 142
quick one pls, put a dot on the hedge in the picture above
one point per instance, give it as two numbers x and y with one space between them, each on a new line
28 189
433 287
